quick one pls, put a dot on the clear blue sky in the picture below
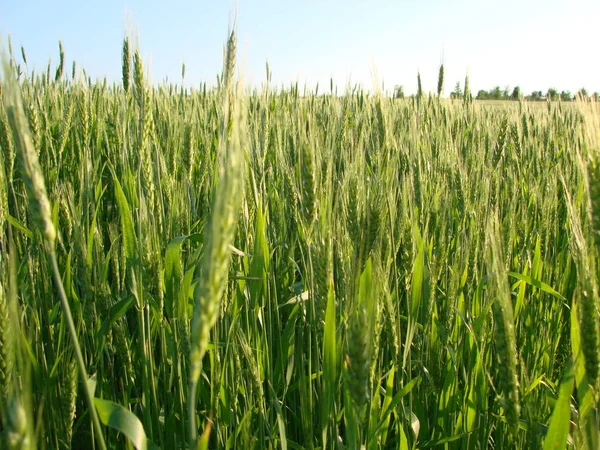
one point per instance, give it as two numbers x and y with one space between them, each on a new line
536 44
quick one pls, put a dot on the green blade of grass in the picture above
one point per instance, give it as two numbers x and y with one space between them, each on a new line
536 283
118 418
560 422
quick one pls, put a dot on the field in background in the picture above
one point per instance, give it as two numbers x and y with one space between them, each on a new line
322 272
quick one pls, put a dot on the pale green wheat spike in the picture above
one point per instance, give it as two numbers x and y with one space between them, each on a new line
220 230
122 349
33 117
229 70
28 159
215 262
373 225
23 55
268 71
138 78
230 59
69 399
126 64
309 200
440 86
66 127
145 150
191 152
380 121
11 60
84 115
61 62
361 338
6 142
65 221
358 359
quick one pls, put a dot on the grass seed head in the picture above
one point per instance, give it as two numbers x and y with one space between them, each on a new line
138 79
309 199
373 225
69 399
126 64
230 61
28 158
359 357
219 232
23 54
440 86
61 62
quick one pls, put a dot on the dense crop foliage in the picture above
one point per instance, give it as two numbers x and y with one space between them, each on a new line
270 270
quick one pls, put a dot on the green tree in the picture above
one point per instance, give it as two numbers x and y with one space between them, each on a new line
566 96
399 91
516 93
536 96
482 95
457 93
552 94
496 93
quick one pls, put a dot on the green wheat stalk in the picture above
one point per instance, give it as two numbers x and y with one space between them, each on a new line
214 265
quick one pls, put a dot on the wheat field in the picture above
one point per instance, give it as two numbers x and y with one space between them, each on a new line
234 267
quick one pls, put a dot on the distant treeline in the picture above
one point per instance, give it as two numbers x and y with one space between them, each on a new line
551 94
497 93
